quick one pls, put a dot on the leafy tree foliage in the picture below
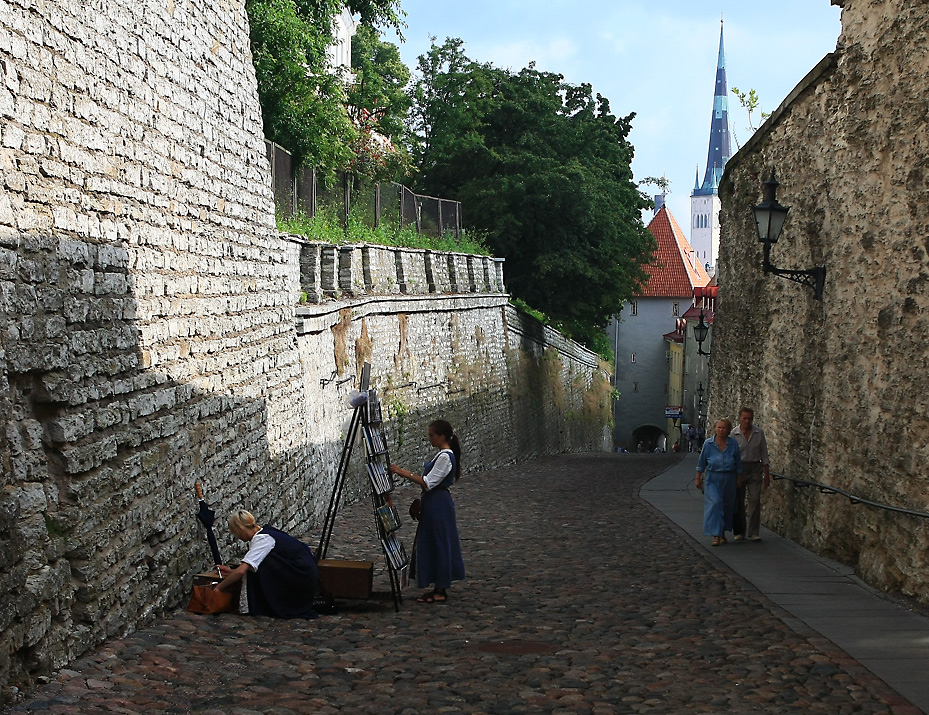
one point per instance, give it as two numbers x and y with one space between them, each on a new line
302 101
378 104
380 83
543 167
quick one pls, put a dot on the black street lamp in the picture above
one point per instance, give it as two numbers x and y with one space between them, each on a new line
769 220
701 330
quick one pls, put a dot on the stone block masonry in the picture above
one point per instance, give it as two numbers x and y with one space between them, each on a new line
150 336
840 385
146 313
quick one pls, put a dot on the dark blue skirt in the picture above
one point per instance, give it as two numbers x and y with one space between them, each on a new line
284 585
438 547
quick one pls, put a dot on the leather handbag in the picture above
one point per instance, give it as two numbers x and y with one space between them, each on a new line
415 508
206 600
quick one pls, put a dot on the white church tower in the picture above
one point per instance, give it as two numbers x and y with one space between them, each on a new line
704 201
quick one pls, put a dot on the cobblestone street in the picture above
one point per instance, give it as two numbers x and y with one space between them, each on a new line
581 598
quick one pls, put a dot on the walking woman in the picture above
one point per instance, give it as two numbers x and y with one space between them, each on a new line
438 547
721 460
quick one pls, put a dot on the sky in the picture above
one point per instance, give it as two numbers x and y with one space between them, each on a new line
657 59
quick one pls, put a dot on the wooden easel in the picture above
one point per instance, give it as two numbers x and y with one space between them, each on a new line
368 418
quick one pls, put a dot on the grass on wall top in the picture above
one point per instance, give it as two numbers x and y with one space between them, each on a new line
326 227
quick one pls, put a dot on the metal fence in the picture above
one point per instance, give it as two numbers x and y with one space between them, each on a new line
374 203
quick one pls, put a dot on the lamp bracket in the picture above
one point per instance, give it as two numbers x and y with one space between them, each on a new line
813 278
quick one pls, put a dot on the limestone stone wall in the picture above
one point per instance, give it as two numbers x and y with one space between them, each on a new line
841 385
511 387
146 312
150 336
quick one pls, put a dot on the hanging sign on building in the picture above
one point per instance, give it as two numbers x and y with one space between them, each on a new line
673 413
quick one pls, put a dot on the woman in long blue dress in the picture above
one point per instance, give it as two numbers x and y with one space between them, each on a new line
721 460
280 571
438 547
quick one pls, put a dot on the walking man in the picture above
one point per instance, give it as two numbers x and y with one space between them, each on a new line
756 474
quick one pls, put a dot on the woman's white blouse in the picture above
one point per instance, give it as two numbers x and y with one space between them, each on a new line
259 547
440 469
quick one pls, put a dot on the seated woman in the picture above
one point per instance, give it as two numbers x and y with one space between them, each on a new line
279 571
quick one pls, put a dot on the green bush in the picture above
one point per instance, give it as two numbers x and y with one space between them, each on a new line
326 226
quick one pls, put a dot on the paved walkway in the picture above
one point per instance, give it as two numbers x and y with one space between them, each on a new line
880 633
581 598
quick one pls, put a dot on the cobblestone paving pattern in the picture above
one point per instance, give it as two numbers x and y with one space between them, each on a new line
581 598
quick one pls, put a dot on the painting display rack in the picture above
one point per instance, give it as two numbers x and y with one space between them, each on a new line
368 418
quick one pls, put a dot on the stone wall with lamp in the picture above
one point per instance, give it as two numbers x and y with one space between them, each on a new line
841 385
150 335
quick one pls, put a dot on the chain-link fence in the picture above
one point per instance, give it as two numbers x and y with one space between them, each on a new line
374 203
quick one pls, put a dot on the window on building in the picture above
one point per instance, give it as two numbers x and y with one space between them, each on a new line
635 387
633 357
634 308
675 310
666 388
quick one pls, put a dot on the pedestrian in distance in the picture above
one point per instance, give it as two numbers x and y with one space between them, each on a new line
438 546
279 571
756 474
721 461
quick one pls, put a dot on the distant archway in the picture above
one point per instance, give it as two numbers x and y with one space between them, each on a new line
647 437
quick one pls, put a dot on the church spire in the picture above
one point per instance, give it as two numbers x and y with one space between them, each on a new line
719 149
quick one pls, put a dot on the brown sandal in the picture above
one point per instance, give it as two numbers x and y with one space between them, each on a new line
434 597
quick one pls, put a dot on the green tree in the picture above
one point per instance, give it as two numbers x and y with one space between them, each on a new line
380 83
302 101
378 105
543 168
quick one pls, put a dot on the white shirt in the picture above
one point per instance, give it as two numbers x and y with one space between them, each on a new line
259 547
440 469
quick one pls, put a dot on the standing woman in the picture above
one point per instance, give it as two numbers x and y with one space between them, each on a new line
280 571
721 459
438 548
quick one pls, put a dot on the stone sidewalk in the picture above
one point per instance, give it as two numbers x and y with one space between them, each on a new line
581 598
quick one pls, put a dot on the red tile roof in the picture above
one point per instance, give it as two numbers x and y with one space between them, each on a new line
693 313
676 271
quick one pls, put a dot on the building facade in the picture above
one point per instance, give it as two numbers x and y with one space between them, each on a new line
675 344
642 355
696 378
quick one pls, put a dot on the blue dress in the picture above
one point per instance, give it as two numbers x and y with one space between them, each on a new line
438 547
720 469
284 585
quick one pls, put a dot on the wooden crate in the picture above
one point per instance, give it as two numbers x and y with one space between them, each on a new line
346 579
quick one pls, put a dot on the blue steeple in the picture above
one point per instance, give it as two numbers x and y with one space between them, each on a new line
719 150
